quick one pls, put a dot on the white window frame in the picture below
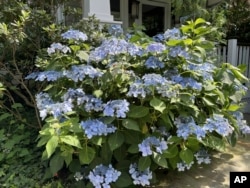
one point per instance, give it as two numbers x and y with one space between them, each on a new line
161 3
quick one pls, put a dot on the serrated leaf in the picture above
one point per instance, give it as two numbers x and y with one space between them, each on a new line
130 124
186 155
71 140
160 160
138 111
115 140
158 104
82 55
56 163
124 180
86 155
171 152
144 163
51 145
133 148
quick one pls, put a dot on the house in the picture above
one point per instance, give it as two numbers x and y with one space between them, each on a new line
155 15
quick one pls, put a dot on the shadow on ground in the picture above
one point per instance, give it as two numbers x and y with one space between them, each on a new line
215 175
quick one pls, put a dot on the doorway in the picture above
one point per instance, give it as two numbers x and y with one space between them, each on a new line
155 16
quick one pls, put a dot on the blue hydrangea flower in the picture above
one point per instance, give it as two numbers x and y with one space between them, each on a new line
178 51
93 104
244 127
116 108
182 166
186 127
47 106
112 47
154 63
153 79
137 89
58 47
74 34
115 30
218 124
202 156
155 47
79 72
46 75
174 34
158 38
167 89
140 177
152 143
75 94
96 128
102 176
187 82
205 69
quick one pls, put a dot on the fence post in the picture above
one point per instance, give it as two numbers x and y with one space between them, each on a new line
232 51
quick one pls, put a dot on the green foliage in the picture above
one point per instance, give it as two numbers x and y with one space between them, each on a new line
237 13
67 144
19 158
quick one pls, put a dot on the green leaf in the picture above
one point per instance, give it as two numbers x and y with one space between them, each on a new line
106 153
160 160
186 155
188 41
86 155
4 116
124 180
115 140
158 105
175 139
132 137
233 107
67 156
71 140
171 152
75 47
172 42
133 148
144 163
97 140
17 105
51 145
173 161
75 166
208 101
214 143
56 163
130 124
119 153
138 111
82 55
193 144
98 93
199 21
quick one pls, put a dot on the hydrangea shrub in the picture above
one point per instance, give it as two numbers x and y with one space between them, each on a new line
117 112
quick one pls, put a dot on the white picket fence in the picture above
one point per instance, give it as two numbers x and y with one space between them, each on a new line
237 55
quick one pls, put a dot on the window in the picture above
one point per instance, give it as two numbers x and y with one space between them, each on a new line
115 9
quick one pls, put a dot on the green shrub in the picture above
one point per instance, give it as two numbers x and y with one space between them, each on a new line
116 112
